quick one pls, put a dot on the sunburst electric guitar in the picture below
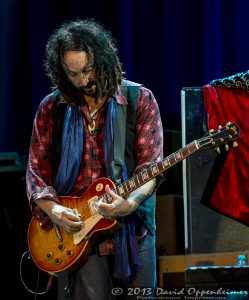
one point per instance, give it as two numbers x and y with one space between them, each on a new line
56 251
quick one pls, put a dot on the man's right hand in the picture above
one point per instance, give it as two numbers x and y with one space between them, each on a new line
61 215
66 218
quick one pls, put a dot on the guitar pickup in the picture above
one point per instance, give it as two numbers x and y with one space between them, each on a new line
93 207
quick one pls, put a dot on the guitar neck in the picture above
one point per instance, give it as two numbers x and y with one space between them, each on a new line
154 170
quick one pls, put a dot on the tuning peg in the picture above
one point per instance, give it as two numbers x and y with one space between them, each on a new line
235 144
217 150
226 147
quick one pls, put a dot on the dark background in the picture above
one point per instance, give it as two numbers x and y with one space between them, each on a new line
166 45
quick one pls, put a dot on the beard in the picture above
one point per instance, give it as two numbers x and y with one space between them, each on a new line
90 90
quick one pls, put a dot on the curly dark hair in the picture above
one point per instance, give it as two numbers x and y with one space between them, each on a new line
91 37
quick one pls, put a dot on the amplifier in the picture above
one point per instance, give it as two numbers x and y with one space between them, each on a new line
226 277
206 269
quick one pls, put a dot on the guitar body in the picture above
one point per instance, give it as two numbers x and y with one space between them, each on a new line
55 250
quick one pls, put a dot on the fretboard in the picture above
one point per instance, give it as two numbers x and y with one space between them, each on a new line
155 169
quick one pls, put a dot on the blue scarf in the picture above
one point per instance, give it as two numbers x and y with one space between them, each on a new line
126 258
71 151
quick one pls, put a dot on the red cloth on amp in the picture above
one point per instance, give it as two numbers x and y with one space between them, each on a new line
231 193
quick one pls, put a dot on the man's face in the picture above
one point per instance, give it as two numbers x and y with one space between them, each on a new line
79 71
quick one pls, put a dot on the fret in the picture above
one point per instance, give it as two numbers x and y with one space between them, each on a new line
145 175
132 183
121 190
150 172
126 187
197 145
137 178
155 170
160 167
140 178
165 163
172 160
186 152
193 147
178 155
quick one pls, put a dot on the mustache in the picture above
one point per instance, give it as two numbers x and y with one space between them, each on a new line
89 86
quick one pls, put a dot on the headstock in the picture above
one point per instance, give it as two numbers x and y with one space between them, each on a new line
222 136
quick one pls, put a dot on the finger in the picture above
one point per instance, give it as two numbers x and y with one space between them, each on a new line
74 226
73 217
118 201
105 207
109 191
